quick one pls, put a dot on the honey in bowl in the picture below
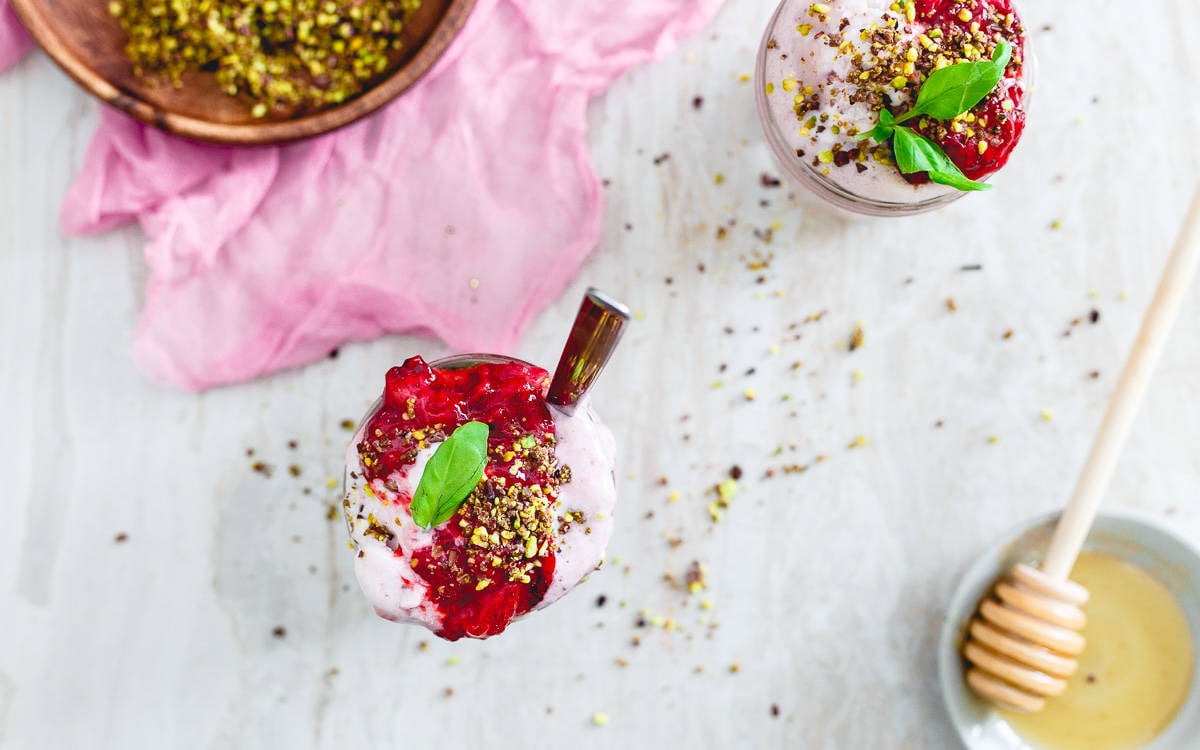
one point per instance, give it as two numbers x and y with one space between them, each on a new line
1135 673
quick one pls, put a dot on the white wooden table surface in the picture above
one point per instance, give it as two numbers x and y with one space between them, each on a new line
827 586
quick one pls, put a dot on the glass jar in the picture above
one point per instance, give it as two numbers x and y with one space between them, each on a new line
924 198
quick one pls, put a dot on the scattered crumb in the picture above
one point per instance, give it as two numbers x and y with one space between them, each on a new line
600 719
262 467
279 632
951 305
121 538
857 337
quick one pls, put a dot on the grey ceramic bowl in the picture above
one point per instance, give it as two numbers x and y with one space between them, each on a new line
1135 537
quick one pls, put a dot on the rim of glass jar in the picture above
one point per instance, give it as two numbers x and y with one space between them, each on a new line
825 188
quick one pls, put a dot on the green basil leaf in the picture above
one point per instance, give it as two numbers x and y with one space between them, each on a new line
958 181
881 132
954 89
455 468
916 153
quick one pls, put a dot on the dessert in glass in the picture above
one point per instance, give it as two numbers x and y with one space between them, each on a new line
829 73
479 489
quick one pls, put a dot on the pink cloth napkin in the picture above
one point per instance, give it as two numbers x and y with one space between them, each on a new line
460 210
14 42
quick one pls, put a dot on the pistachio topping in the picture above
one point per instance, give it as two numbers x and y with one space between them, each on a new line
510 526
281 54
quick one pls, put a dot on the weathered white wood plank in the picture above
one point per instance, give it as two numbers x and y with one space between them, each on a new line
827 585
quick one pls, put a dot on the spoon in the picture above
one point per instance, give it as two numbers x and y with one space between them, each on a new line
594 336
1024 641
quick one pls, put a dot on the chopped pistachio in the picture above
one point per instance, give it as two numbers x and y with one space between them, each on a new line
281 55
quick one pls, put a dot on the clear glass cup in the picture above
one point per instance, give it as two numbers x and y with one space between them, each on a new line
826 188
581 442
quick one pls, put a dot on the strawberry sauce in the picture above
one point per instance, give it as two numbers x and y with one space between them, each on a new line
493 560
1003 110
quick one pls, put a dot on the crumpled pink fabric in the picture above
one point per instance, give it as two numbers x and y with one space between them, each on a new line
14 42
460 210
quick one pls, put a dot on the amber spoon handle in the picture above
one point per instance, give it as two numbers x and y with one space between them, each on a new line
1147 350
594 336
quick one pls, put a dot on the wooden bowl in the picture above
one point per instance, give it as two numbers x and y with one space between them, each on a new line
88 43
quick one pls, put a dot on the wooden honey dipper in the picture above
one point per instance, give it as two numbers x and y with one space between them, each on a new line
1025 638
